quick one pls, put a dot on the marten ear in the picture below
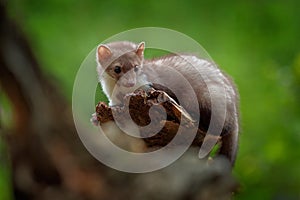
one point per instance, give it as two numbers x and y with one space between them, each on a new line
140 49
103 52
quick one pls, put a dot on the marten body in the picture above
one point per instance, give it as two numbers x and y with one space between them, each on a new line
121 67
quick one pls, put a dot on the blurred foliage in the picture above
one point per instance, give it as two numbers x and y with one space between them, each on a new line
256 42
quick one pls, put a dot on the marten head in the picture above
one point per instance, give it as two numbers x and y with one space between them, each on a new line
122 61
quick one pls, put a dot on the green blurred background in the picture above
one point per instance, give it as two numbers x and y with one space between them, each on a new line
256 42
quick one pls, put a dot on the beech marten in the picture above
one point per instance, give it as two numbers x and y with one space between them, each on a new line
122 69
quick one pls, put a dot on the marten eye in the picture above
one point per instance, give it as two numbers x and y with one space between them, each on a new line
117 69
136 68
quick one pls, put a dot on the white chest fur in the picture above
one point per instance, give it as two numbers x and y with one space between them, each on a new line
116 92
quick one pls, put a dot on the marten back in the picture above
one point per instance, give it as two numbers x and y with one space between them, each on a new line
200 74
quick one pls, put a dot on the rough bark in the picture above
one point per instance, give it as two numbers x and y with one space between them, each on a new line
139 103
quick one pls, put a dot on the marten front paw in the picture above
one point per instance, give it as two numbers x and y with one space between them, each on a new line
94 119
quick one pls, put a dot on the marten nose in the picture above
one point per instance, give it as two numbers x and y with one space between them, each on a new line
129 79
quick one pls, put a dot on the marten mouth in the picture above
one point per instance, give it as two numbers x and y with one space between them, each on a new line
128 85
